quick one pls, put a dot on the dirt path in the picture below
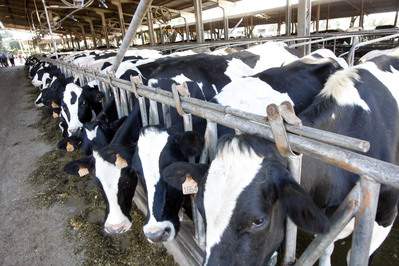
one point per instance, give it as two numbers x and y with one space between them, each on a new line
28 235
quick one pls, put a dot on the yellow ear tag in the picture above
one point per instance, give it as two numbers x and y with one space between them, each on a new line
69 147
189 186
55 115
54 104
83 171
120 162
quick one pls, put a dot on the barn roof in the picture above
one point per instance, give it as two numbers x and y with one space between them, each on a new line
20 13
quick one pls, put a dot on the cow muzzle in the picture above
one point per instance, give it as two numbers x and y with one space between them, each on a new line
159 232
113 229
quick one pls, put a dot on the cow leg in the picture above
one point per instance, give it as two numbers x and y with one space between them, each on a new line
380 233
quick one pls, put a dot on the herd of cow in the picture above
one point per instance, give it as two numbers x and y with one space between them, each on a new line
246 192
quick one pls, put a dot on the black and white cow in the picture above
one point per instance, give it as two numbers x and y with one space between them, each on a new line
79 105
104 126
247 192
111 163
157 148
40 73
210 72
298 82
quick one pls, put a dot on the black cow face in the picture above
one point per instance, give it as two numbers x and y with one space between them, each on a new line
245 198
156 150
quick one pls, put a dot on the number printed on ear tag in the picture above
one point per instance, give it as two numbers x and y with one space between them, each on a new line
189 186
83 171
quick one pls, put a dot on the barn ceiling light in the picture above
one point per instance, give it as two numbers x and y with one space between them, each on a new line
103 3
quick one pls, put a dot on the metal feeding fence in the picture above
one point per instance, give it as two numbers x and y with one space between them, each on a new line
292 140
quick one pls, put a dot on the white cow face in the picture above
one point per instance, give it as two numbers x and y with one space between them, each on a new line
117 184
245 197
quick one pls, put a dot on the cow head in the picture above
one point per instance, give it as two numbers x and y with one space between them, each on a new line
78 105
245 197
112 166
156 149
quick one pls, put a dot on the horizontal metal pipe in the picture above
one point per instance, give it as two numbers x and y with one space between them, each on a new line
380 171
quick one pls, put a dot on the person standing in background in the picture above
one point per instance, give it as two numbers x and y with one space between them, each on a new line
3 60
11 58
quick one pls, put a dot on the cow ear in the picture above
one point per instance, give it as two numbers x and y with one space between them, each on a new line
69 144
300 207
80 167
191 144
176 173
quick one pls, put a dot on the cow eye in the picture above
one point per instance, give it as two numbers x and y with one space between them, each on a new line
258 223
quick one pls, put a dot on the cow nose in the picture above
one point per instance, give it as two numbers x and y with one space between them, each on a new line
159 235
117 228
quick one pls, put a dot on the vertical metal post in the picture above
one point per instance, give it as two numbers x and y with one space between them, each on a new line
124 102
118 4
48 15
275 116
361 17
187 29
67 42
154 115
318 18
93 32
288 19
328 15
105 30
135 82
304 19
166 115
150 23
364 222
225 24
77 42
295 166
198 21
188 126
161 35
341 217
142 37
82 28
71 37
117 101
138 16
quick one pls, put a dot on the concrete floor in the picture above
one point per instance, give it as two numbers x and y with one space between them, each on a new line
28 235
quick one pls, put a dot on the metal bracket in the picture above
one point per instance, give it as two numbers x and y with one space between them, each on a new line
276 116
178 90
136 81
